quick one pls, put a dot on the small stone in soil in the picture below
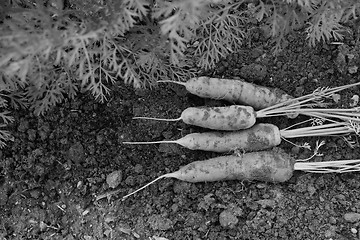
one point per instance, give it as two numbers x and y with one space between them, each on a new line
114 179
138 168
158 222
352 217
76 153
228 219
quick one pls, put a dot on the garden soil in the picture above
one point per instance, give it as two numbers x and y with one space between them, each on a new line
64 174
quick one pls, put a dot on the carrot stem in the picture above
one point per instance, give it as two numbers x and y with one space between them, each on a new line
340 166
296 124
293 105
325 115
319 130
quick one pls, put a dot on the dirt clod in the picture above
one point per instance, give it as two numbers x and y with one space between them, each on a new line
227 219
157 222
352 217
114 179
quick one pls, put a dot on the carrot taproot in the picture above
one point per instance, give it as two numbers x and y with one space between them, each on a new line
236 117
261 136
228 118
281 166
268 166
234 91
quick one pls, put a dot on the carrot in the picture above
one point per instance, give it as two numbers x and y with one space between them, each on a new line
229 118
238 117
269 166
259 137
234 91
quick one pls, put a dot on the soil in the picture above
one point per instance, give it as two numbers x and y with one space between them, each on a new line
58 164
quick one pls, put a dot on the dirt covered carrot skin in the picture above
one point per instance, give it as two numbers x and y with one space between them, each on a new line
237 91
268 166
229 118
259 137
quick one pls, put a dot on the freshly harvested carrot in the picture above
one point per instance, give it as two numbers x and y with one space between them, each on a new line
277 164
261 136
238 117
268 166
234 91
277 167
229 118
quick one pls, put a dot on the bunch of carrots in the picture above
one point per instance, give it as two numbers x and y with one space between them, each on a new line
237 129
